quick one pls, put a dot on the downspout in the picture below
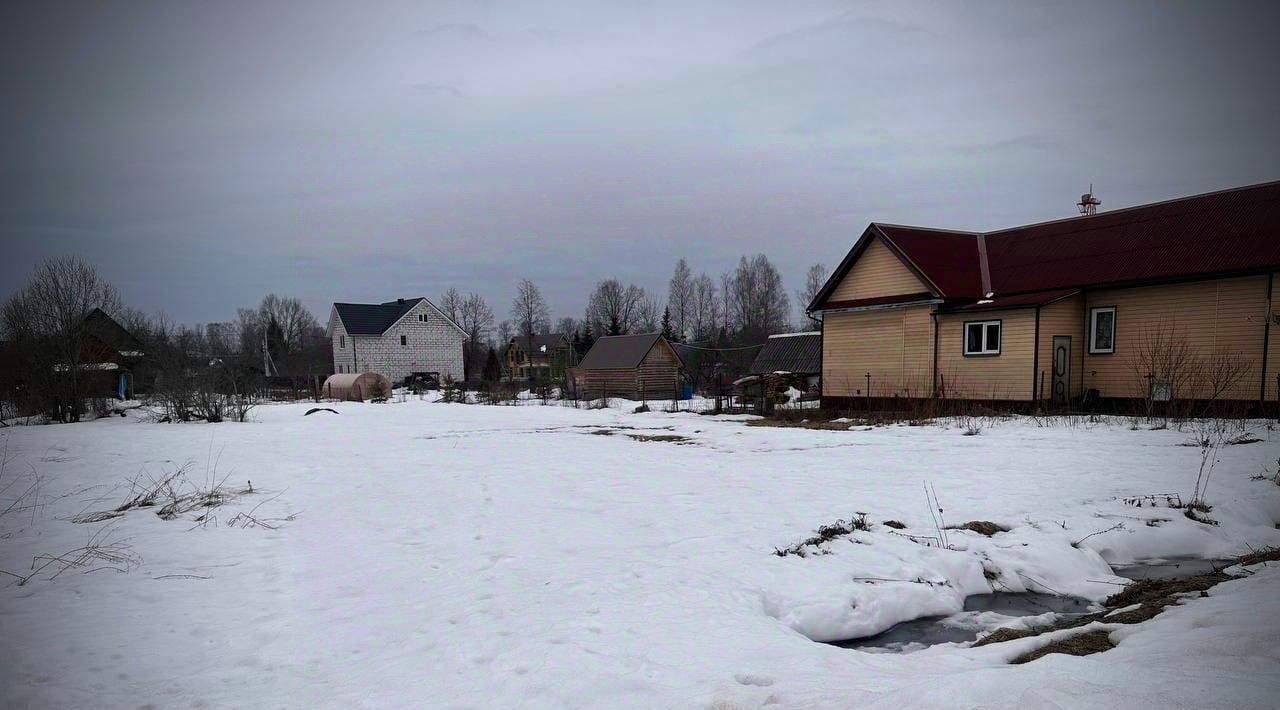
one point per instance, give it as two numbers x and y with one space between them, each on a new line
1266 344
1084 344
1035 360
822 349
934 315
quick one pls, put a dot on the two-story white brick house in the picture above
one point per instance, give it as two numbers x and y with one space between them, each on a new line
397 339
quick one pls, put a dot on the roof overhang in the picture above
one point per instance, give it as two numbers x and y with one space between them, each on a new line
873 231
879 304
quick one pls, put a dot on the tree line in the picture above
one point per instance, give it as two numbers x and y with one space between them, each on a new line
280 337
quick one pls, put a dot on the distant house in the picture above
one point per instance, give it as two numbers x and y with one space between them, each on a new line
1168 301
630 366
108 359
796 354
109 354
540 357
396 339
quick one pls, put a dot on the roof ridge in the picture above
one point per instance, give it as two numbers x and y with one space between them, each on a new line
1131 208
962 232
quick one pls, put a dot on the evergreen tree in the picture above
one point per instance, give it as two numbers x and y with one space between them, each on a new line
492 368
667 331
588 339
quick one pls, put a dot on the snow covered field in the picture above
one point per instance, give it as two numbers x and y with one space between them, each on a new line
436 555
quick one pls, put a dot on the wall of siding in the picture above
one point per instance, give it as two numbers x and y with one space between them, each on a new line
894 345
1273 346
1219 316
1006 376
1062 318
877 272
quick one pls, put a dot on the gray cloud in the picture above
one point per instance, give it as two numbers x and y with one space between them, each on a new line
205 153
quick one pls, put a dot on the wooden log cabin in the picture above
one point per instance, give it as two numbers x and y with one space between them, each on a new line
630 366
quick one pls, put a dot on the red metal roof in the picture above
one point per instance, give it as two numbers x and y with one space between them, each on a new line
948 259
1221 233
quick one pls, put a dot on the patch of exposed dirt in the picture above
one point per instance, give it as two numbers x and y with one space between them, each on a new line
802 424
1162 591
982 527
1006 634
671 438
895 524
1079 645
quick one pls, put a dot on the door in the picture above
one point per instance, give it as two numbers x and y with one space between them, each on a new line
1061 369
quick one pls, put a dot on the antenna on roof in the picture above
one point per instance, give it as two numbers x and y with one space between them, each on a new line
1088 204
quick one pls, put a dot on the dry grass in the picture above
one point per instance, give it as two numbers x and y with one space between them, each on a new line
982 527
1085 644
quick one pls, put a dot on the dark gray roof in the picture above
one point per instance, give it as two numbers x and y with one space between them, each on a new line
614 352
109 332
373 318
791 352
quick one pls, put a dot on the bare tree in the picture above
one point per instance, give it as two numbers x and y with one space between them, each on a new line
529 312
476 318
680 296
451 304
704 311
566 326
289 331
757 302
1223 371
45 322
647 313
814 279
1163 364
611 307
504 333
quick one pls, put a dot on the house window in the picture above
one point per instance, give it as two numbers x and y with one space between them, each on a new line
1102 330
342 342
404 340
982 337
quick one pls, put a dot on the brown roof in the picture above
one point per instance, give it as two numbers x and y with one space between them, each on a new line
619 352
1216 234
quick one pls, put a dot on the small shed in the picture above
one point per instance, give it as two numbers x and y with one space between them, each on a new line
798 354
356 386
632 366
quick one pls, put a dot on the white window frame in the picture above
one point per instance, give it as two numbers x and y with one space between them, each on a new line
342 342
984 351
1093 330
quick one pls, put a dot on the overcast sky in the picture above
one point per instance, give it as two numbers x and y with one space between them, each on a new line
206 153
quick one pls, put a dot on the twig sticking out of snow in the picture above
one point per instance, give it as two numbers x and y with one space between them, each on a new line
931 500
113 555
